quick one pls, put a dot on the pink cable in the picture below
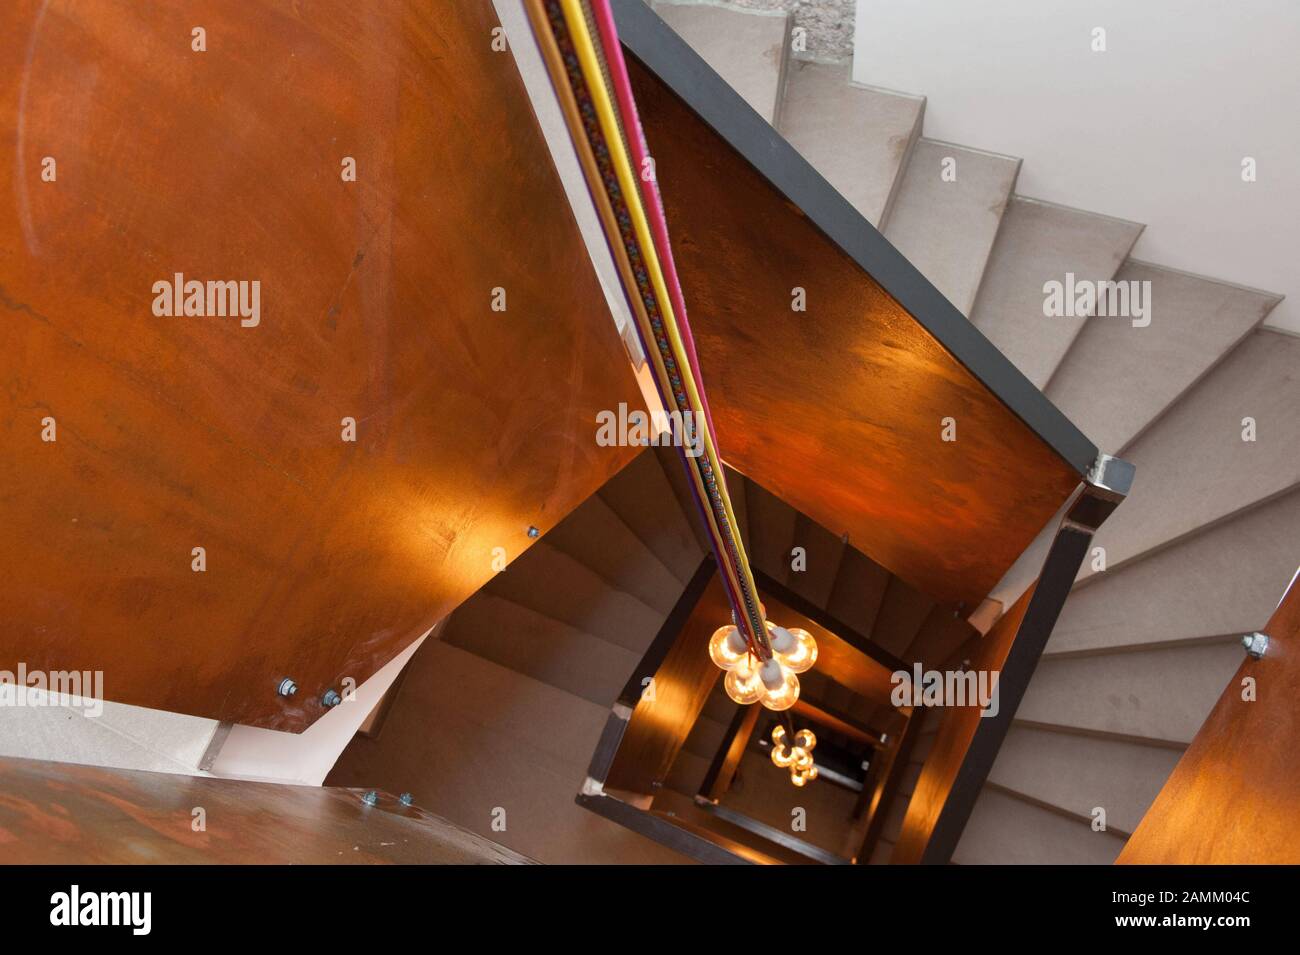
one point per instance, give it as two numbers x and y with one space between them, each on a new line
622 83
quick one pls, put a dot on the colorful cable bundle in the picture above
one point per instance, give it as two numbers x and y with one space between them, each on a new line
579 41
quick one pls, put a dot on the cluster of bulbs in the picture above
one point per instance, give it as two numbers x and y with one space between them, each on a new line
771 682
797 757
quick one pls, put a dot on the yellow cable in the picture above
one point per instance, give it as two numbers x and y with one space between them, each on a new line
577 21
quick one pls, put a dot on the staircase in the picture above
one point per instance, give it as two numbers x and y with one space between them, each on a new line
1200 552
505 708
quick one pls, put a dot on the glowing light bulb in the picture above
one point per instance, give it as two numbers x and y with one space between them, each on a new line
743 683
800 781
803 760
727 648
784 694
794 647
805 739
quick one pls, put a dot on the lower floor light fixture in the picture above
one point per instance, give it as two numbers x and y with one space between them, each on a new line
773 681
797 757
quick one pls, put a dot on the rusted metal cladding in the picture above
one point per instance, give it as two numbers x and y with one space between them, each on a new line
438 306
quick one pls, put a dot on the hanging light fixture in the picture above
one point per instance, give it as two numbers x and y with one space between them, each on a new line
583 54
772 681
796 756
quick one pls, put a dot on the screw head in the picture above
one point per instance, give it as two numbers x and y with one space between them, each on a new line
406 799
287 687
1256 644
330 699
371 798
533 531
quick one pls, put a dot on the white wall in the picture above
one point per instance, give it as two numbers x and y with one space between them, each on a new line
1153 130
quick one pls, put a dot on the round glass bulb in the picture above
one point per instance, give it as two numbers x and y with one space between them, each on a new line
727 647
743 683
805 739
785 695
802 759
783 756
799 781
802 655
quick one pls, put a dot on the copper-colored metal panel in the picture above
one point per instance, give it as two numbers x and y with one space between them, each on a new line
323 558
1234 797
839 410
58 813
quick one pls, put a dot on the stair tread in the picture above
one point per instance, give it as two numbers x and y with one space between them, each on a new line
857 138
947 228
624 561
1194 469
1226 579
1117 377
1161 694
552 652
1080 773
586 601
747 49
642 496
468 737
1039 242
1003 830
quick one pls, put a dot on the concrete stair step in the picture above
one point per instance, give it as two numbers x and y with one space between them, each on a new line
858 590
596 536
1194 469
858 138
748 49
1040 242
946 226
1006 830
1161 695
1224 580
470 738
1118 377
1079 773
643 498
513 636
823 552
586 601
771 532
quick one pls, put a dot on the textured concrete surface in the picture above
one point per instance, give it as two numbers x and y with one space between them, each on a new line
1224 580
946 226
1159 695
827 24
1004 830
1078 773
478 743
857 138
1040 242
746 48
1193 468
1117 377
